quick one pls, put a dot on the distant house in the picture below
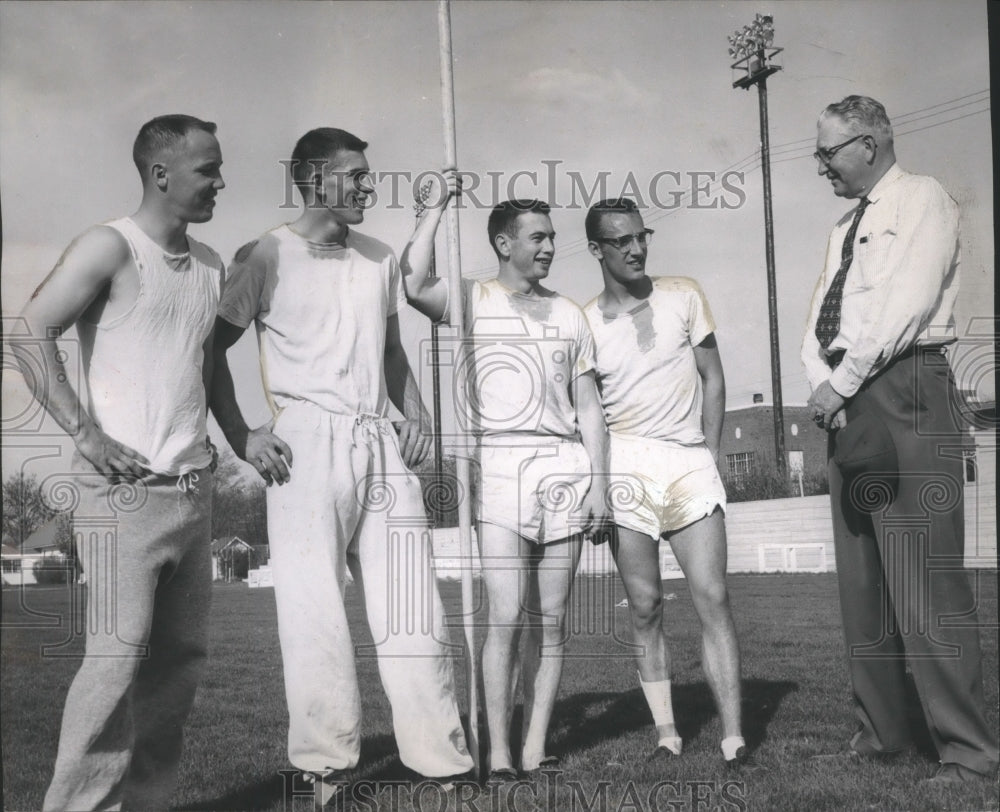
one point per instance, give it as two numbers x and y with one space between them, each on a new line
12 562
231 558
19 565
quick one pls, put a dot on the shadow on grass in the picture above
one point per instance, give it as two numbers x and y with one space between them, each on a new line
588 720
603 716
261 794
379 762
761 699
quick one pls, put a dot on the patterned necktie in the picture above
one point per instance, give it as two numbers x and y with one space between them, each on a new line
828 323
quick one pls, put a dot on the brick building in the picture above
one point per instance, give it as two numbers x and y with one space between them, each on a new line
748 441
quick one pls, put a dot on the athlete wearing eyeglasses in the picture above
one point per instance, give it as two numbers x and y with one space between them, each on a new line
663 392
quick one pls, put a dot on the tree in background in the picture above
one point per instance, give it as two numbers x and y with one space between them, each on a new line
25 510
240 507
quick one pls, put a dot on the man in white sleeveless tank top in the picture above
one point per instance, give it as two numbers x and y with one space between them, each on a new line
324 299
143 296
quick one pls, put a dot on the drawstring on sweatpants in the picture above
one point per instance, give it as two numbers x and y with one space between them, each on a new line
372 425
188 483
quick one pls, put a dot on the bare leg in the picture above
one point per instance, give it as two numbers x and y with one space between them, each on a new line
637 558
700 549
553 567
638 561
505 558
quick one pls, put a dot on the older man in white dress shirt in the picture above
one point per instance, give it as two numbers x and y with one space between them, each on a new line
875 354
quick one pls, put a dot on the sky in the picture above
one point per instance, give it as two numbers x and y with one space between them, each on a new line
639 93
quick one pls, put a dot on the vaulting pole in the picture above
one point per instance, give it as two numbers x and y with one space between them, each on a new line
456 319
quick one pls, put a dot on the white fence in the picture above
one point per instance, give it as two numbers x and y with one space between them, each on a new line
776 535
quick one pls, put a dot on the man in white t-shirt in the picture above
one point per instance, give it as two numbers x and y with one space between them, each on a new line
663 391
533 407
325 301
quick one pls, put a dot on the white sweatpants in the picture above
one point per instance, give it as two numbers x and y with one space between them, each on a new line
352 502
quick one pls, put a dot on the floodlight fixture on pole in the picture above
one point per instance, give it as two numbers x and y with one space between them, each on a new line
754 52
755 55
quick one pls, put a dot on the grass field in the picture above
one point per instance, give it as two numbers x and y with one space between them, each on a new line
796 703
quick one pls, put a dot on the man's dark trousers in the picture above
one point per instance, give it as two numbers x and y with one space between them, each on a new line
904 593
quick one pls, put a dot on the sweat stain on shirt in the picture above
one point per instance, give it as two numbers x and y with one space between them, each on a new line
534 307
645 331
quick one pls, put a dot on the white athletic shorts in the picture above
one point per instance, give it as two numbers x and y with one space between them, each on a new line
658 487
534 488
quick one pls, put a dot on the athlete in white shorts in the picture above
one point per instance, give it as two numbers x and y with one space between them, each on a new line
325 301
660 486
663 392
535 411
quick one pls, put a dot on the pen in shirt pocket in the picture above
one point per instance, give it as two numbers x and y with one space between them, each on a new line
865 239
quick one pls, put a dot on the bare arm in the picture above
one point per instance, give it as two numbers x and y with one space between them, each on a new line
713 381
208 365
81 278
222 394
269 455
424 292
594 436
415 434
206 378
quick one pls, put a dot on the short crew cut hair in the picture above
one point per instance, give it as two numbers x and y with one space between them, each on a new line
863 114
597 212
503 218
316 147
162 133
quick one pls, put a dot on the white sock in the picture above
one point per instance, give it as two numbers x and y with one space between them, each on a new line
672 743
661 705
730 745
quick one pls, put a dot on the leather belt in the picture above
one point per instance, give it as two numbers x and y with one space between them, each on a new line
834 357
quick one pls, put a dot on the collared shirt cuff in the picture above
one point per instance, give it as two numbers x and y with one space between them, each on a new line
844 382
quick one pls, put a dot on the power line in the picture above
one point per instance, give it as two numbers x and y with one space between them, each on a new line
755 157
904 118
751 162
948 121
900 118
898 134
